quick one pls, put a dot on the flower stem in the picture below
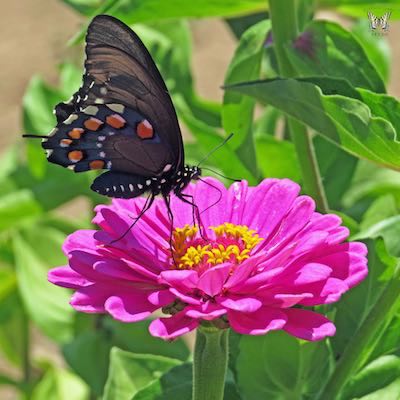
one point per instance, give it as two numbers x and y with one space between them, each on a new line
210 362
355 354
284 32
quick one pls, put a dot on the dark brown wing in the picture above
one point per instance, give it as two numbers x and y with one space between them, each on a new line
119 70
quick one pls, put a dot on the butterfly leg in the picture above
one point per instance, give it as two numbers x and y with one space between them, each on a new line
147 205
167 201
195 209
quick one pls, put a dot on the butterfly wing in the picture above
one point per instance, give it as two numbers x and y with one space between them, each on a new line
123 111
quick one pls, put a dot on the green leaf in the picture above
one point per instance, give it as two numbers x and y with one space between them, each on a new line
131 372
59 384
337 169
376 47
346 122
88 356
278 366
136 339
277 158
355 304
358 8
207 139
153 10
45 303
377 375
382 208
11 317
177 384
371 182
38 102
326 48
237 110
388 229
17 207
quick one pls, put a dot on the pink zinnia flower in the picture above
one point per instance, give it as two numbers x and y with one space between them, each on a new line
265 254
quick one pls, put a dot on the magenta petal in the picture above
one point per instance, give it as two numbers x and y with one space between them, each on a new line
90 299
257 323
308 325
185 279
243 304
67 277
207 311
161 298
212 281
129 307
171 328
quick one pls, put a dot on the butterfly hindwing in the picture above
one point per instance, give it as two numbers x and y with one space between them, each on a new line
109 136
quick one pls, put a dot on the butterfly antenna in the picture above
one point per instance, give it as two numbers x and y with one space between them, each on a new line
215 202
221 175
35 136
229 137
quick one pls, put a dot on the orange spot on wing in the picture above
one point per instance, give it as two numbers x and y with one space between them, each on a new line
75 155
96 164
93 124
116 121
65 142
76 133
144 129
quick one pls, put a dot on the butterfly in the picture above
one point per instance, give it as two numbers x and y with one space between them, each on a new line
121 120
382 22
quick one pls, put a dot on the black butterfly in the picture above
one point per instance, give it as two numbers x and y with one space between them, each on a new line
122 119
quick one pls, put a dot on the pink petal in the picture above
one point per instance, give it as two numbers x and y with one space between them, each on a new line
308 325
257 323
67 277
161 298
212 280
81 240
172 327
128 307
207 311
90 299
179 279
240 303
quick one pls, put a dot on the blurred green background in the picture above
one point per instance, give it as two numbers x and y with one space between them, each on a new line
34 36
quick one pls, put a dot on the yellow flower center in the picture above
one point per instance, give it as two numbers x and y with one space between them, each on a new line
232 243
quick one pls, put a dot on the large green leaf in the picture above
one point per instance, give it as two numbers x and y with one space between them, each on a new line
11 317
17 207
325 48
136 339
277 158
88 355
207 139
278 366
177 384
46 304
355 304
131 372
344 121
59 384
237 110
376 47
359 8
153 10
376 377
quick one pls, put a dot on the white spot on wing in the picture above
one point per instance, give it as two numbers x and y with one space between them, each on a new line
131 188
140 186
102 154
70 119
91 110
122 188
119 108
148 182
99 101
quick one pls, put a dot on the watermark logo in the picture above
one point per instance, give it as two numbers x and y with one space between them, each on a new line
379 25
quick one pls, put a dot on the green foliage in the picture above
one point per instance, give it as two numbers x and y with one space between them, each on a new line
333 82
